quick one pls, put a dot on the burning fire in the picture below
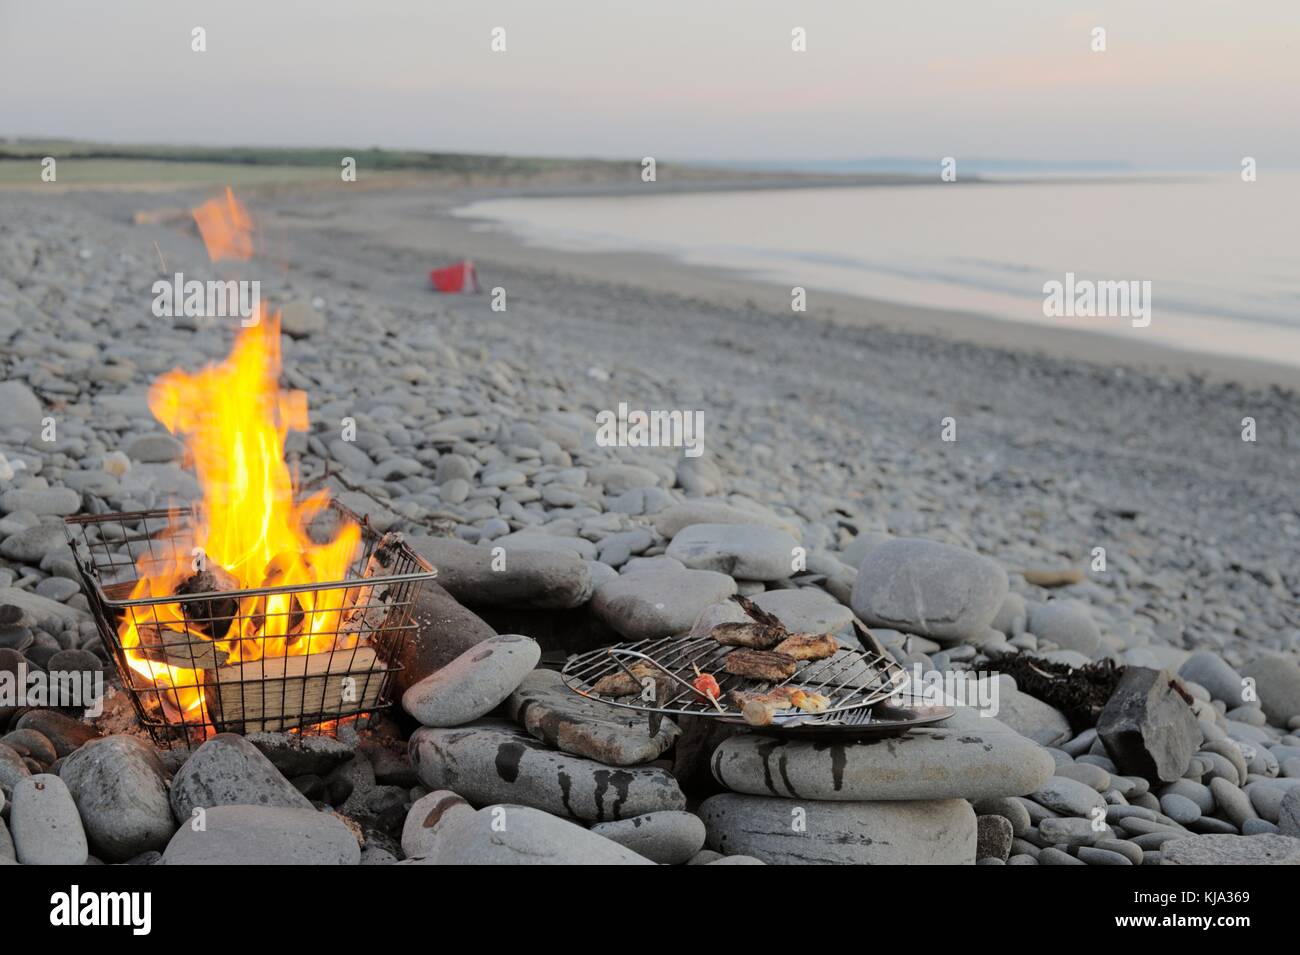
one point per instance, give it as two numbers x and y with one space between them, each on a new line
249 530
226 228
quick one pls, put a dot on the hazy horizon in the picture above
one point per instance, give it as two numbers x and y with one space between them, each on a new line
1192 86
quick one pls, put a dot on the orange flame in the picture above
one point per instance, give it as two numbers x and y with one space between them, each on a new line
233 418
226 228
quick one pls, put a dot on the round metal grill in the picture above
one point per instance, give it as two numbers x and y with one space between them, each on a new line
853 680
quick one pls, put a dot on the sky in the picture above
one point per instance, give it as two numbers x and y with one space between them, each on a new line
1181 82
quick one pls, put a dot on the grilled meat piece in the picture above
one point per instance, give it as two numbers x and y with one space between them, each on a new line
808 646
758 614
760 665
756 636
759 709
620 684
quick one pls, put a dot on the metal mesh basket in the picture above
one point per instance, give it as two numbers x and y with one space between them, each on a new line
247 660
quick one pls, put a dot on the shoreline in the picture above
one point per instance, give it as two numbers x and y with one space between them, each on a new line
396 196
650 271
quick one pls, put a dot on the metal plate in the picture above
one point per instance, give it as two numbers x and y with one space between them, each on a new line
881 721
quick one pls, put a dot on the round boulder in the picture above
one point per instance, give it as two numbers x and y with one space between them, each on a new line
473 684
118 785
928 588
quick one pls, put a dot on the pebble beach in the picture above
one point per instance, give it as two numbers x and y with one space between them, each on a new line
969 500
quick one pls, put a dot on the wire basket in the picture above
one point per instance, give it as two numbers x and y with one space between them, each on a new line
299 657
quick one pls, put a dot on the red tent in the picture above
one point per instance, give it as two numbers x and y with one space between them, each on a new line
455 278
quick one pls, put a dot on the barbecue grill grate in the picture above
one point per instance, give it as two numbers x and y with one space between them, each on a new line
308 694
853 680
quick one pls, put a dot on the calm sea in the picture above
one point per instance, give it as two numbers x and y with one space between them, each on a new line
1221 255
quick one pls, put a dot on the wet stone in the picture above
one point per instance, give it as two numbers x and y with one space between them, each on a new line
557 716
493 761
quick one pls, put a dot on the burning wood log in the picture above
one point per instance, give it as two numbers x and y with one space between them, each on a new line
278 693
213 615
177 648
369 608
290 610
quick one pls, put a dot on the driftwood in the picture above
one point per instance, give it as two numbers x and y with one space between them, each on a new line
369 606
277 693
191 650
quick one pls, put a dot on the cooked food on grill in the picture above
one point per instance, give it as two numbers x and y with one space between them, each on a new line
706 685
758 614
621 684
759 709
760 665
756 636
809 701
808 646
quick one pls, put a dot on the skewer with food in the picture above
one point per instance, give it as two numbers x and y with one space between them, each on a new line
706 684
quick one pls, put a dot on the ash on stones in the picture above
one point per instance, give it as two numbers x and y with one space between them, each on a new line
1079 692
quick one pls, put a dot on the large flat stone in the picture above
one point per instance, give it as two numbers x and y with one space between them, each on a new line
264 835
659 600
518 835
936 590
557 716
805 610
928 763
59 501
42 607
671 520
780 832
743 551
493 761
542 580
